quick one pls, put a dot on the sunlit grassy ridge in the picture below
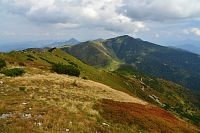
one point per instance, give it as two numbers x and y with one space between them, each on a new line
53 103
39 61
59 103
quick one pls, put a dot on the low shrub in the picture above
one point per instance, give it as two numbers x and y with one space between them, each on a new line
72 63
66 69
85 77
29 59
31 56
22 88
13 72
2 63
46 60
22 64
52 49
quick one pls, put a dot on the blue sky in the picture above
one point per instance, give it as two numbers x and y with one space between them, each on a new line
170 22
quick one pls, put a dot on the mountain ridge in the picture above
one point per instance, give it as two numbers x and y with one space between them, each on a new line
176 65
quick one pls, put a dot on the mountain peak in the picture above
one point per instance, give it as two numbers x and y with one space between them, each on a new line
125 36
73 41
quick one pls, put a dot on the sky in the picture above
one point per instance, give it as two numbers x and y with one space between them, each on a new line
167 22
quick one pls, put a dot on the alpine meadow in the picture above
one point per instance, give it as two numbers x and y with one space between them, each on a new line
109 66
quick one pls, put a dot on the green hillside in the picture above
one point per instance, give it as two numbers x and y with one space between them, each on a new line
95 54
162 93
165 93
179 66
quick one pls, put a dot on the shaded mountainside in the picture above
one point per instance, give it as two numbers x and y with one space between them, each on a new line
165 94
176 65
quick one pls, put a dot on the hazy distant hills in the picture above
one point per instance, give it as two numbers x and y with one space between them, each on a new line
176 65
71 41
5 47
194 48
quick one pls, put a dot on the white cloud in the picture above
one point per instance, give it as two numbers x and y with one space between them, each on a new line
66 13
195 31
159 10
90 12
66 25
100 18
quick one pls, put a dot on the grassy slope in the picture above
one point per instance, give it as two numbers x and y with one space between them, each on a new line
57 103
171 64
133 86
59 56
95 54
171 96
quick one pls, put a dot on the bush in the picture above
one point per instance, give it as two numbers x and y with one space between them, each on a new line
66 69
22 88
22 64
72 63
30 56
85 77
2 63
29 59
13 72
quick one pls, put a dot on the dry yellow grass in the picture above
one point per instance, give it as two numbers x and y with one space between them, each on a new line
54 103
72 86
41 101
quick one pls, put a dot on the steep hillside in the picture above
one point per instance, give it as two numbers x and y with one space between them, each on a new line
165 93
179 66
94 53
170 96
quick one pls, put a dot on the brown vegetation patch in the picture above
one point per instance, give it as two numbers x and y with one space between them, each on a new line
150 118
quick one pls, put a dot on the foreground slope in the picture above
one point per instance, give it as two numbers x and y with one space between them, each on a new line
176 65
59 103
170 96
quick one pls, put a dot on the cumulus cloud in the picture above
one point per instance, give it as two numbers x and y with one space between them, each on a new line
159 10
74 14
101 18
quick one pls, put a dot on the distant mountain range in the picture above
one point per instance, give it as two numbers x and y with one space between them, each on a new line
5 47
71 41
194 48
172 64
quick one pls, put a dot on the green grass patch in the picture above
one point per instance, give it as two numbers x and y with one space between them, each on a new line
2 63
13 72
